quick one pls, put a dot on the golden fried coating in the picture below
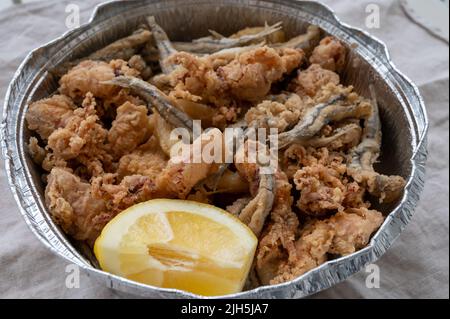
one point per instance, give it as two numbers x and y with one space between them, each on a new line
37 153
311 249
330 54
273 114
88 76
148 160
47 115
353 229
183 172
131 190
129 129
73 206
248 77
311 80
277 243
322 189
82 138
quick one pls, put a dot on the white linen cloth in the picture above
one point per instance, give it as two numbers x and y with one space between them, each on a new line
417 265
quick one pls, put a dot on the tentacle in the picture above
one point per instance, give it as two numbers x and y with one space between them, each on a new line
257 210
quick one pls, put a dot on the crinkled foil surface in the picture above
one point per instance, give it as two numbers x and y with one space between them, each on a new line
402 112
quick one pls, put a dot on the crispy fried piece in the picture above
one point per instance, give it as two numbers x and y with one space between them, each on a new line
330 54
261 183
81 130
47 115
88 76
321 177
353 229
163 44
322 189
311 248
335 109
131 190
37 152
183 172
248 77
254 214
147 160
225 56
138 63
223 116
123 48
306 41
310 81
150 93
273 114
297 156
214 44
129 129
238 205
341 234
363 156
195 79
276 244
346 136
73 207
82 139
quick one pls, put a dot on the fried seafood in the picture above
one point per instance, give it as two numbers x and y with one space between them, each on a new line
246 78
163 44
106 140
129 129
124 49
353 229
329 54
345 136
213 44
310 81
320 115
148 159
363 156
89 76
73 206
37 153
306 41
47 115
277 243
82 139
273 114
154 97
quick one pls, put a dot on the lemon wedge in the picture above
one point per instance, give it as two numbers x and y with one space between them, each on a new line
178 244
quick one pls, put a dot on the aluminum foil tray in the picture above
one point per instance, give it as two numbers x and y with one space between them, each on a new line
402 111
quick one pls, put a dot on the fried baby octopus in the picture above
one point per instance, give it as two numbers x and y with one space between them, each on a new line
103 140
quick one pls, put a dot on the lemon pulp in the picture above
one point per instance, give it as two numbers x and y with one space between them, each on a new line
178 244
